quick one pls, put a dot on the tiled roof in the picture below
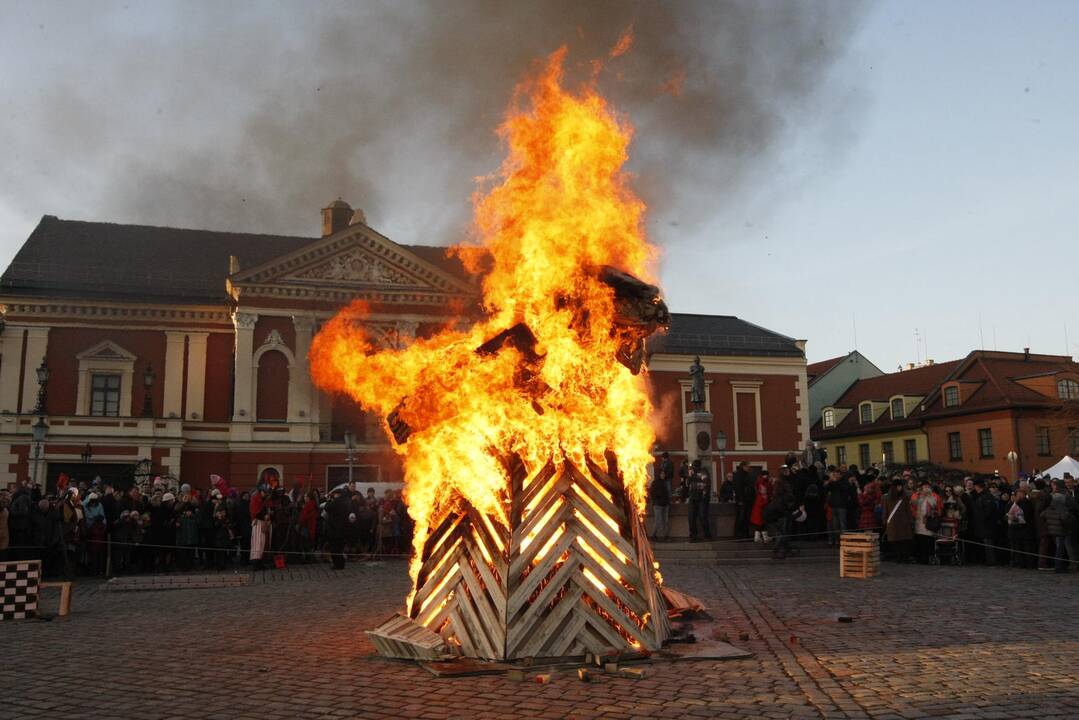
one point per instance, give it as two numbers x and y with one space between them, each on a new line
819 368
158 264
691 334
994 378
918 382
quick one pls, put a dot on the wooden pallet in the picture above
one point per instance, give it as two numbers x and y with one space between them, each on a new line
859 555
401 637
572 574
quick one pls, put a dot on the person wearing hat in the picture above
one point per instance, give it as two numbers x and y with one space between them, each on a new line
983 522
762 493
898 520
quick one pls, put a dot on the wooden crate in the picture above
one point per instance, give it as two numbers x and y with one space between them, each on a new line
545 585
859 555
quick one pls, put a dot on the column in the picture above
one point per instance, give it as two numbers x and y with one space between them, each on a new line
300 410
242 399
11 350
37 342
174 374
196 374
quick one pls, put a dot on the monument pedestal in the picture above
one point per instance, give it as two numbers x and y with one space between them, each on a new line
698 425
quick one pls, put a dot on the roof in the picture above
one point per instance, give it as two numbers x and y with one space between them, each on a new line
819 368
995 377
919 382
691 334
78 258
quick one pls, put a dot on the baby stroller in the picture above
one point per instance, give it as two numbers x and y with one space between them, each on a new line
947 549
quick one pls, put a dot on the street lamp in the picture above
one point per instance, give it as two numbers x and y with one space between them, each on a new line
350 445
148 378
721 445
40 429
42 387
1012 459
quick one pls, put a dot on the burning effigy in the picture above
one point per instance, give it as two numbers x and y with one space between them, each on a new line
525 438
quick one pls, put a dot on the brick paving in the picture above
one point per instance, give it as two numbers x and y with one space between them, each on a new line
958 643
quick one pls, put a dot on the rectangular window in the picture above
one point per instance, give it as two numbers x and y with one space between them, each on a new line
887 452
1073 441
951 396
897 409
841 455
105 395
985 442
1068 390
955 447
1041 440
866 413
910 447
863 455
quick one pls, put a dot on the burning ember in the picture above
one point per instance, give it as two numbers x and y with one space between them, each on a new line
525 438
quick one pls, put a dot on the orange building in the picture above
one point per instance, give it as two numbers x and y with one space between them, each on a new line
184 352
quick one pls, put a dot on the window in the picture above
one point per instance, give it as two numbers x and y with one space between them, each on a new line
951 396
1068 390
1073 441
841 455
1041 439
985 442
955 447
865 413
863 455
888 452
910 448
829 418
897 409
105 395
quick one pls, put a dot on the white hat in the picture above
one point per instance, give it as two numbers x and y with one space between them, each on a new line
92 496
167 496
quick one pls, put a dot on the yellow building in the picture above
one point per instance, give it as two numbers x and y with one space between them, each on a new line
876 419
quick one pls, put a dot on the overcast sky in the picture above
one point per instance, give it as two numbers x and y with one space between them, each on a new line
830 171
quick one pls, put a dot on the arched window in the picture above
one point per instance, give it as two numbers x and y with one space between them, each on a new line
272 400
829 418
1068 390
898 412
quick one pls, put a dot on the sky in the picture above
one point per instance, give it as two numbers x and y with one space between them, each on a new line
895 177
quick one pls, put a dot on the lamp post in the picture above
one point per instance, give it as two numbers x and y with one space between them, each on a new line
40 430
148 378
721 445
1013 458
350 446
42 387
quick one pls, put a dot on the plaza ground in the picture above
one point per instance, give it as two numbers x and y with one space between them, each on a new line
934 642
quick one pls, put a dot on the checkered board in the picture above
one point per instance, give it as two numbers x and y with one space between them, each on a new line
19 581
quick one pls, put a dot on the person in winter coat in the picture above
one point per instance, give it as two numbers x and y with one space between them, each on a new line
868 501
308 522
261 529
898 520
983 520
762 491
1060 522
743 497
1040 497
337 512
659 495
837 496
927 508
187 536
778 514
1020 517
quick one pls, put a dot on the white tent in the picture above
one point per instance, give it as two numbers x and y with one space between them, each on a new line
1067 464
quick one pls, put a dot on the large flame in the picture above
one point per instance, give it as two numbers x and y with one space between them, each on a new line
561 209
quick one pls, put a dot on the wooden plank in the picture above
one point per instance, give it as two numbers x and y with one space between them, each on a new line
545 630
520 594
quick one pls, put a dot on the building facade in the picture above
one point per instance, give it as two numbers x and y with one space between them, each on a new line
829 379
184 352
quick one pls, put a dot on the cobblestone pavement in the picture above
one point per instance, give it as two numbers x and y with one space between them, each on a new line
959 643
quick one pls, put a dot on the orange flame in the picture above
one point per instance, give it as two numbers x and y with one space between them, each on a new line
562 207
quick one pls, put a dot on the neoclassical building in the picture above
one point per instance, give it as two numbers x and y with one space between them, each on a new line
131 350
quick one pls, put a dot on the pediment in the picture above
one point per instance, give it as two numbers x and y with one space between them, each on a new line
106 350
356 262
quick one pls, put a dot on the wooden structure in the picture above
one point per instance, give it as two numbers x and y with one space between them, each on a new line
573 573
859 555
64 586
401 637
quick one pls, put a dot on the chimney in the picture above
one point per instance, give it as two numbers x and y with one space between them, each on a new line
1026 353
335 217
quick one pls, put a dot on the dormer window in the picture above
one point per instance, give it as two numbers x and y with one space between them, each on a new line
1068 390
951 396
898 411
829 418
865 413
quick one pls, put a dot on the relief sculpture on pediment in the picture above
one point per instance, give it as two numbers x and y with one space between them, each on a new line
356 267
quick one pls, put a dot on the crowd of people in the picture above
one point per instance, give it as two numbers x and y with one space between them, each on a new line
90 528
1030 523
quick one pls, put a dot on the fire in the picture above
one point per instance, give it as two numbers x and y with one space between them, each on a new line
549 372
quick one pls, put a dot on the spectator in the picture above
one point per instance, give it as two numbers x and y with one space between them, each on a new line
20 526
1021 530
1060 522
187 534
761 493
5 537
778 514
898 520
261 529
927 509
837 496
337 512
659 495
869 505
743 497
700 495
983 521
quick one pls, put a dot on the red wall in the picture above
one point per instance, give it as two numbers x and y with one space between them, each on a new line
219 363
65 343
272 400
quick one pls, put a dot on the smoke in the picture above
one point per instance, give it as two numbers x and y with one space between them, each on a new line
252 117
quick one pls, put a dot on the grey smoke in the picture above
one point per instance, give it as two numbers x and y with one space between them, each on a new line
253 116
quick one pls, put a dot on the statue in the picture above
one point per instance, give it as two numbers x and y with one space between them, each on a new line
696 393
